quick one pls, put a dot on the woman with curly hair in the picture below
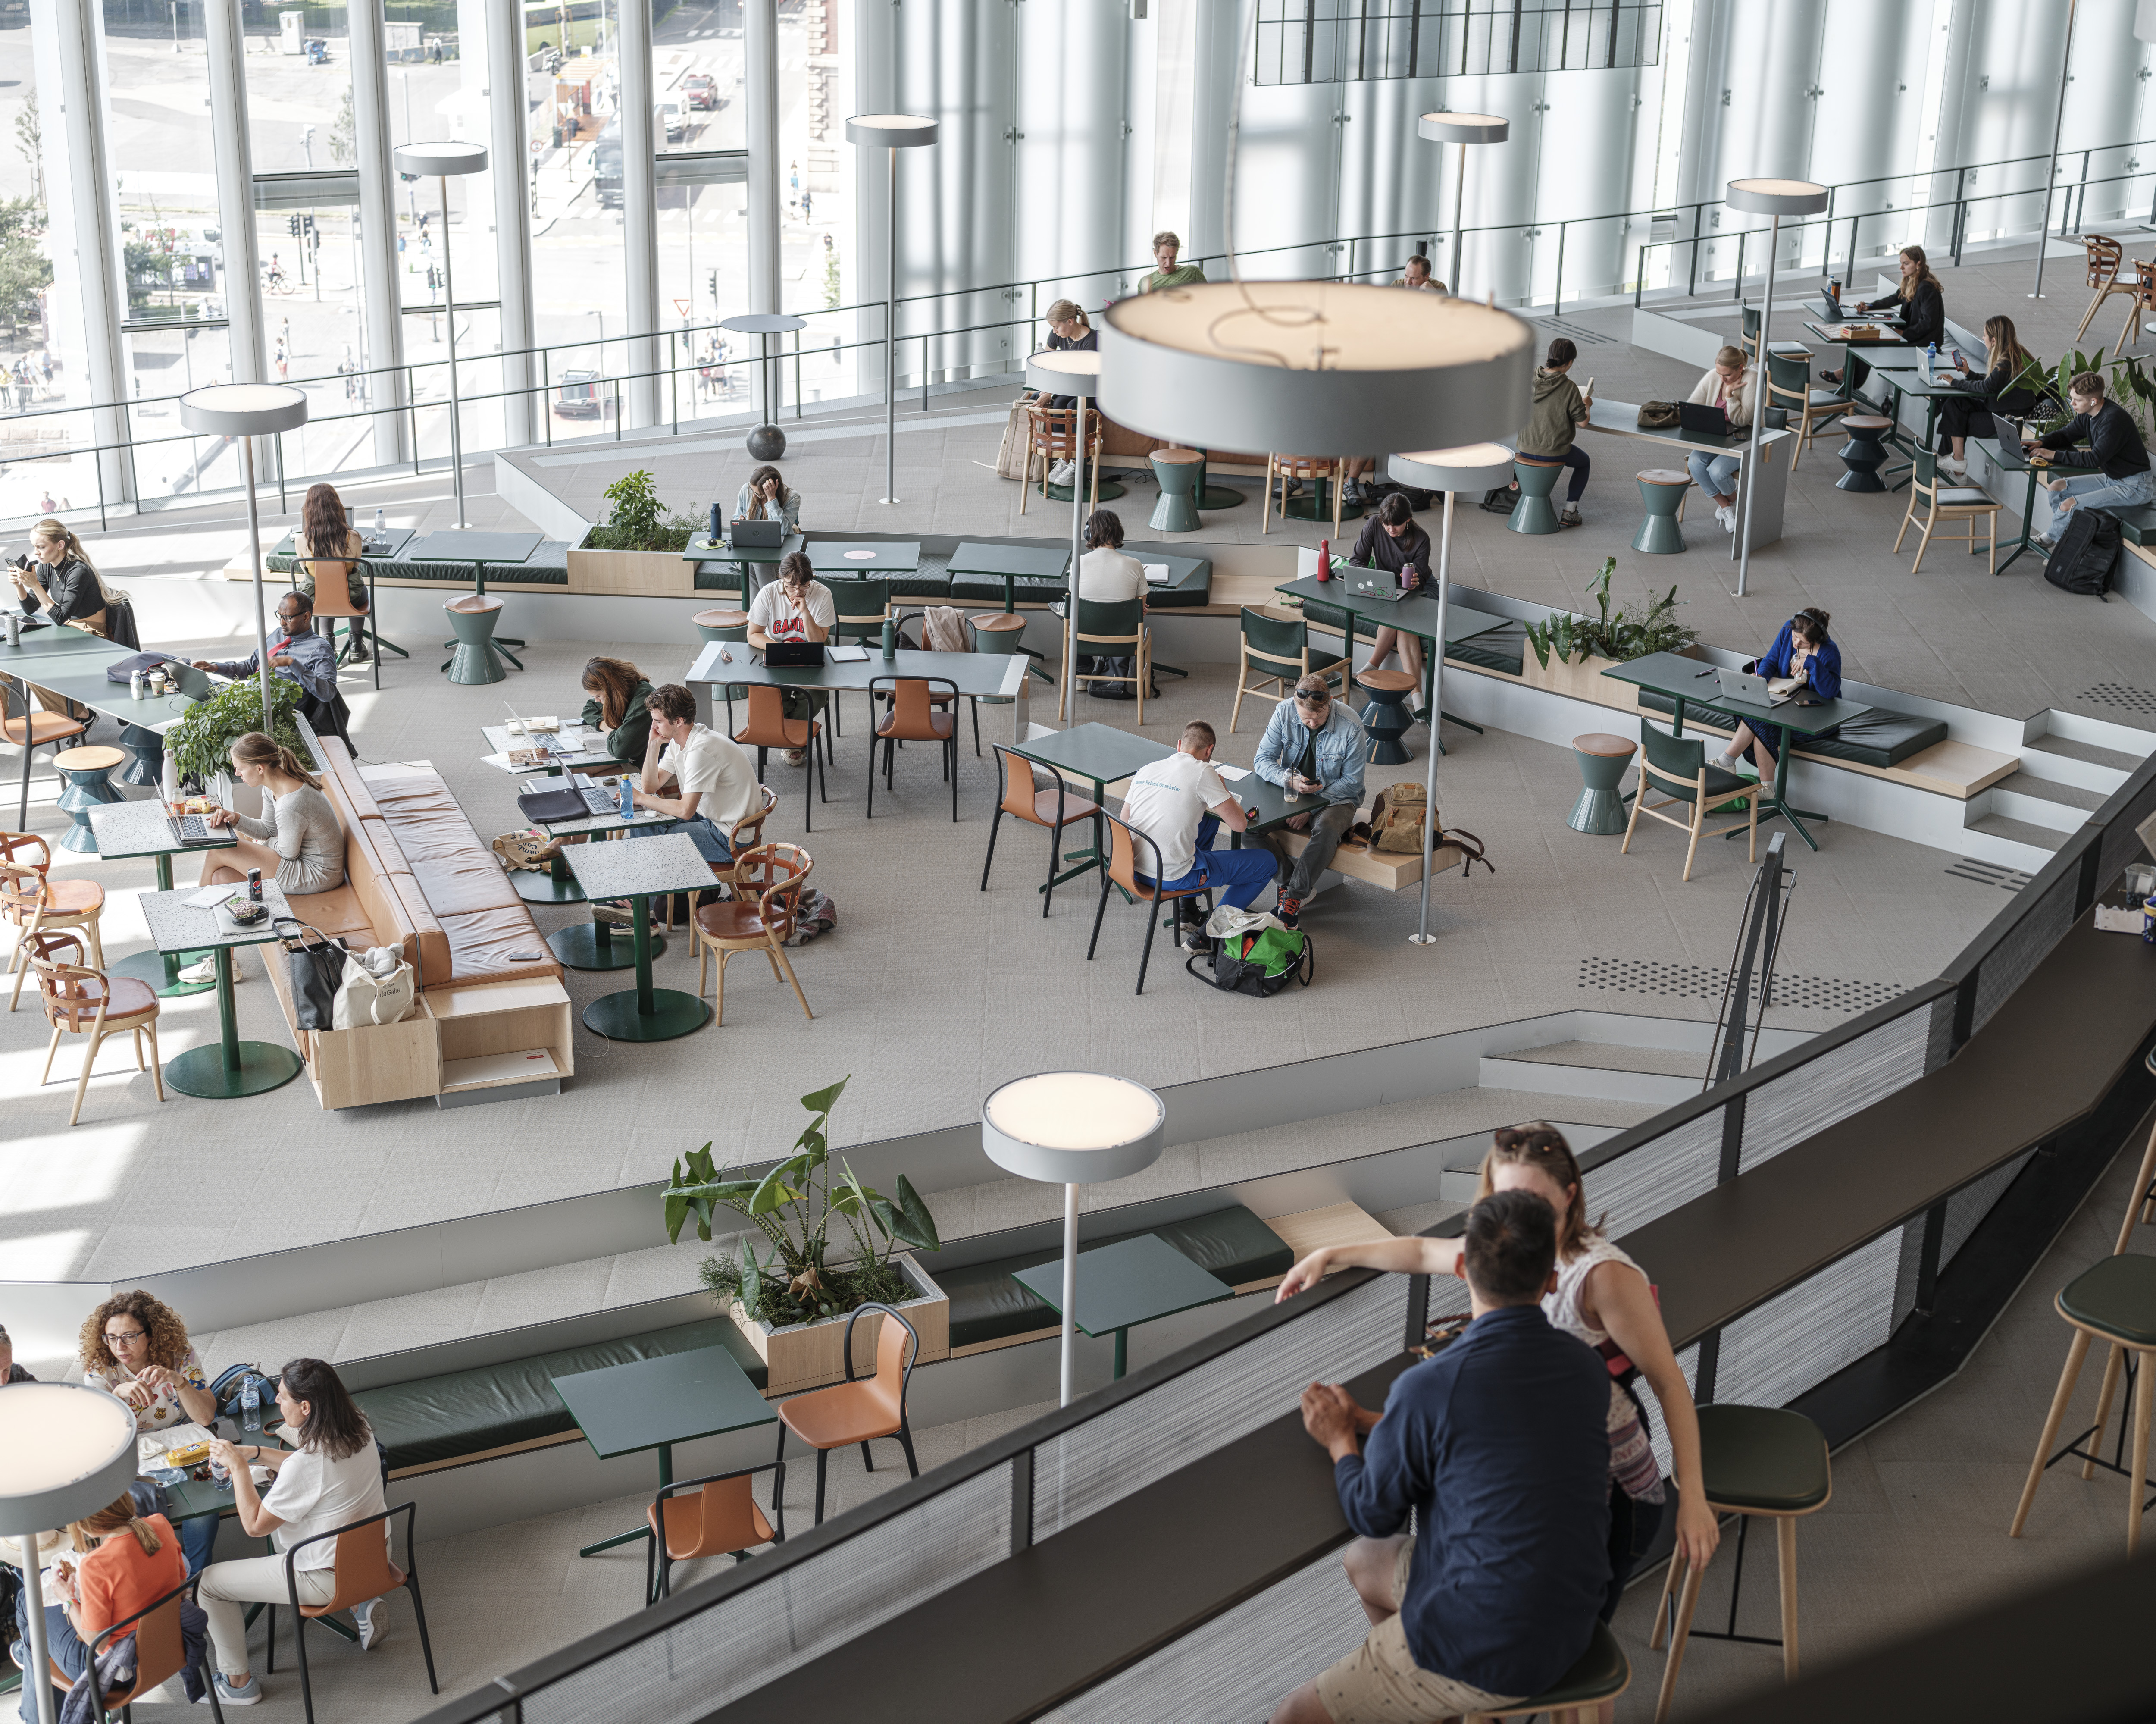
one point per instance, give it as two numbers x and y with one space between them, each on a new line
135 1346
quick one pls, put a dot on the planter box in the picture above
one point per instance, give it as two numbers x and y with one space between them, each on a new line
807 1356
633 573
1582 679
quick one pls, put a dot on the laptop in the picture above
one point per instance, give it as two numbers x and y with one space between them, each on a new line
794 655
757 535
1373 583
194 684
1702 419
550 741
194 829
1746 686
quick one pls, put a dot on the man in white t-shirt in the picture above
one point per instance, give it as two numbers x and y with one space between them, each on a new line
797 606
1180 803
714 781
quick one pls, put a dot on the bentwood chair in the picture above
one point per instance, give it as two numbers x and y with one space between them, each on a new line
1283 470
767 728
917 714
79 1001
160 1655
1677 767
36 727
741 837
36 903
2107 258
860 1410
1022 797
1102 627
1942 503
1277 656
1126 849
362 1572
767 882
721 1519
1052 439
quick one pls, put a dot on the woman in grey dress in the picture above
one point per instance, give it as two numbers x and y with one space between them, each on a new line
299 842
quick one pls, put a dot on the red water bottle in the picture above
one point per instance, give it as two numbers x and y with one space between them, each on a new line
1324 560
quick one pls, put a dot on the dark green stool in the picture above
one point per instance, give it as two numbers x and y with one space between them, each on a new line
725 623
146 755
88 774
1387 716
1661 494
1865 453
1002 631
1534 512
474 658
1763 1461
2115 1301
1181 475
1598 1676
1602 759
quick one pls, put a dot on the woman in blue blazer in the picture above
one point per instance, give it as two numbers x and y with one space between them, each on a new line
1803 652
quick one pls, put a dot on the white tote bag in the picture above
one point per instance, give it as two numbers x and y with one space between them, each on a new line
377 988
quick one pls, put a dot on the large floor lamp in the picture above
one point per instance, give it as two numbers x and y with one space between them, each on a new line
70 1451
1072 1129
1463 130
1775 197
1476 468
2058 126
442 160
1070 371
892 133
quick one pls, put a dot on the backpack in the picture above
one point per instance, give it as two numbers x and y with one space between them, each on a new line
1396 819
2086 555
1259 962
230 1382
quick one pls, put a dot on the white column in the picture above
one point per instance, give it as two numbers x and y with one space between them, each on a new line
639 214
760 102
382 321
509 149
233 165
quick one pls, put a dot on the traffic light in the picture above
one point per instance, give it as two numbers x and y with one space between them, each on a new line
292 226
714 284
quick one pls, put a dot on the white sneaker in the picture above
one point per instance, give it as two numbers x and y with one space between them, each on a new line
201 974
1956 469
372 1622
1727 517
1061 475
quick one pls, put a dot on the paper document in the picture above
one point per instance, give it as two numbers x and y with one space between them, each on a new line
1231 772
1156 574
210 895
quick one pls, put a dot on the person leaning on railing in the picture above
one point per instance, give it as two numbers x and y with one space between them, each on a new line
1602 1298
1167 272
1498 1448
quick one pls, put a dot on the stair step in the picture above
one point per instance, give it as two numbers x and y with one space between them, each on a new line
2047 839
2051 789
2091 754
1610 1055
1607 1083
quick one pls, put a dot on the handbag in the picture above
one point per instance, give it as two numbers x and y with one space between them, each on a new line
526 850
377 988
317 970
545 807
1658 415
1018 432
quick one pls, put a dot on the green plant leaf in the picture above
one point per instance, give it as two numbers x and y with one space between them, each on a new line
774 1189
824 1100
917 1226
677 1212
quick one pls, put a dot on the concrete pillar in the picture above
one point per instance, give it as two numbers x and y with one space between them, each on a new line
232 162
382 324
640 218
510 150
759 103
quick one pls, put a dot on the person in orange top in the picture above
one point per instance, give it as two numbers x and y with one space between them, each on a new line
129 1562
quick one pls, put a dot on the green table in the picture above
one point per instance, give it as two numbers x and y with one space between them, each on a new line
1121 1285
1099 753
708 555
1416 615
1275 804
1909 379
1009 564
972 673
234 1067
553 884
1682 679
640 872
655 1404
478 548
2014 459
53 649
844 556
1886 339
133 829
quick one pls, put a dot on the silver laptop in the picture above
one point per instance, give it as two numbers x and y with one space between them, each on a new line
1746 686
1373 583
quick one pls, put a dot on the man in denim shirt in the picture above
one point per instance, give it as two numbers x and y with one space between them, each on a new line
1315 747
295 651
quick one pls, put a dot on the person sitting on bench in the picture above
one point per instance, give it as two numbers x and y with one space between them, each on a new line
1314 747
2123 480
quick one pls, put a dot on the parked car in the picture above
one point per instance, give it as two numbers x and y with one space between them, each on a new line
672 121
585 394
701 90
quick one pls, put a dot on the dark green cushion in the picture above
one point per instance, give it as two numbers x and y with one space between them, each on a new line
1764 1459
2116 1297
436 1418
2136 526
921 583
1600 1673
988 589
718 578
987 1304
1503 648
1696 717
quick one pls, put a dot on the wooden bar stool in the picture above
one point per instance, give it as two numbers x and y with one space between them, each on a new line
1602 759
1180 474
1386 716
1534 512
2115 1301
1598 1676
1661 494
1755 1461
88 774
1865 453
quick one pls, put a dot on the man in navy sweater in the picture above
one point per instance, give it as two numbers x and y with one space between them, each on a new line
1500 1447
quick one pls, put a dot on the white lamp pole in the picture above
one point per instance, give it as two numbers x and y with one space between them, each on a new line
1463 130
247 411
1776 198
1070 371
442 160
891 133
70 1451
1072 1129
2058 125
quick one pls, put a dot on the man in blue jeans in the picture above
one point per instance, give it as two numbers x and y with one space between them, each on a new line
2122 479
1181 802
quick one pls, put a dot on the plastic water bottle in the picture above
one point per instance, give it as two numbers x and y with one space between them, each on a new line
381 522
135 685
220 1476
627 799
1932 364
250 1403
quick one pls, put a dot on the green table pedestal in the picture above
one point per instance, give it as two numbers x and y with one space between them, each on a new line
146 755
1061 493
234 1067
1534 512
591 945
1219 496
161 971
645 1013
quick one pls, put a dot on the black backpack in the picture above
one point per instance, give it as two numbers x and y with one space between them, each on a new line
2086 555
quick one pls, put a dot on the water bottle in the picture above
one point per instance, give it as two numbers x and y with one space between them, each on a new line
1324 560
220 1476
135 684
381 522
1932 364
716 534
627 799
890 638
14 628
250 1402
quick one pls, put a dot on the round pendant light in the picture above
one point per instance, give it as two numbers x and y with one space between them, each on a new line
1776 197
1073 1128
1321 367
890 131
1463 128
1063 371
437 159
1477 467
244 410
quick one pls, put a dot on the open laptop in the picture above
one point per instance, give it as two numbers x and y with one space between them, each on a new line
1372 584
194 684
1746 686
794 655
1702 419
757 535
551 741
194 829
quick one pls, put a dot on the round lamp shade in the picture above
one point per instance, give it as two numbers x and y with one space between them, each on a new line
1063 371
1463 128
1319 368
892 131
1776 197
69 1449
244 410
1477 467
2144 20
441 158
1073 1128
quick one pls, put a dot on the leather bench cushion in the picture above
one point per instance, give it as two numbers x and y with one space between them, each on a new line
354 801
1879 738
988 589
437 1418
468 880
1696 717
921 583
2137 525
481 944
987 1304
411 796
1503 648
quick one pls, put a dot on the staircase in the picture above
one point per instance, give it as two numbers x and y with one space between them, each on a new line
2065 776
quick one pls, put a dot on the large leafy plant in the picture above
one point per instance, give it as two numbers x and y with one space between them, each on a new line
792 1206
638 521
201 742
1626 634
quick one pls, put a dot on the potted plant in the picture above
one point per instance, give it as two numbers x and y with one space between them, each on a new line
793 1304
638 548
1572 652
201 742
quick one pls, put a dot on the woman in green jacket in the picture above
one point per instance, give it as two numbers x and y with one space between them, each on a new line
617 690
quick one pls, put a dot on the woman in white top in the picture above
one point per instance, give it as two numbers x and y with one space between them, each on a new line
1728 384
1106 573
299 842
332 1479
1603 1298
797 606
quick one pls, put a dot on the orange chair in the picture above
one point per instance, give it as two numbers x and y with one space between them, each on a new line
721 1518
79 1001
1023 798
917 714
856 1410
1122 871
768 728
772 875
332 603
1052 435
38 904
160 1655
363 1571
35 730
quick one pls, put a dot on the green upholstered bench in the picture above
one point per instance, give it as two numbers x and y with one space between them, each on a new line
1879 738
716 578
1502 648
2136 526
990 1308
462 1415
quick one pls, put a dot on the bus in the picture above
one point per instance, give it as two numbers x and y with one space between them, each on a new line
606 165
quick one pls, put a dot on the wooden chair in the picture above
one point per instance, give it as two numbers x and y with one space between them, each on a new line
1789 387
38 728
857 1410
722 1518
363 1571
160 1655
767 882
743 836
1942 503
2143 300
1108 625
1285 647
1052 436
1309 469
82 1001
1124 854
2106 257
38 904
1023 798
768 728
917 714
1678 764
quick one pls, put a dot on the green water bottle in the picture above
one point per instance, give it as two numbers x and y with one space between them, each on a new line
890 638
